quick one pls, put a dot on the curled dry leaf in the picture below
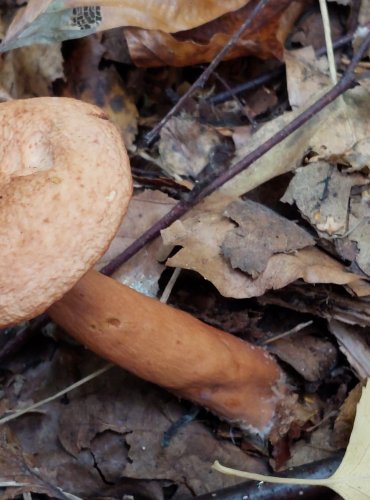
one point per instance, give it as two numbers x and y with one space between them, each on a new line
263 39
47 21
344 422
354 344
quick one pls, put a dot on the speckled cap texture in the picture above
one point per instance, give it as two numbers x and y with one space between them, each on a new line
65 184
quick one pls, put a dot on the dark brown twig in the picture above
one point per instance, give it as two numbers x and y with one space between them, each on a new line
201 80
345 83
268 76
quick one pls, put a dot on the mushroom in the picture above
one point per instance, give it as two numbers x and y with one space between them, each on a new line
64 187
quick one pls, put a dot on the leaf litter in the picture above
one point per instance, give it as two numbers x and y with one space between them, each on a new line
107 436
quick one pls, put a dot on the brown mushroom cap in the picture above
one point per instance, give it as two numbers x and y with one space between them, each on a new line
65 185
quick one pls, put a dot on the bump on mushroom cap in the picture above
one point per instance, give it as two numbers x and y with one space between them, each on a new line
65 184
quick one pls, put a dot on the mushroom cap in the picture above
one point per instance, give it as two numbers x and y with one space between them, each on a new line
65 184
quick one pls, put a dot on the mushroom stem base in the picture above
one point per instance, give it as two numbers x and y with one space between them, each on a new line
230 377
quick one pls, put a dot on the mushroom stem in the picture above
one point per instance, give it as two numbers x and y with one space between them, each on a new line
230 377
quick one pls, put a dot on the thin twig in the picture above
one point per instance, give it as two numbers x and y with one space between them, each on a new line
17 413
295 329
345 83
201 80
328 41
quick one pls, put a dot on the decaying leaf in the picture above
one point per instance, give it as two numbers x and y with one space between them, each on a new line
354 343
312 357
45 21
30 71
142 271
344 422
86 81
260 233
110 430
186 146
352 478
201 237
322 194
18 467
306 75
263 39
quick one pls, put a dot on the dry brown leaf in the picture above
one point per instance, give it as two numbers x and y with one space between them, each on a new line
322 194
201 237
102 87
260 233
317 446
50 20
351 479
344 422
354 343
186 146
306 75
17 466
335 129
264 38
142 271
312 357
30 71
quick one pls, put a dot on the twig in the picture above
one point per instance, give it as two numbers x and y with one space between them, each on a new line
249 85
271 75
295 329
328 40
17 413
201 80
345 83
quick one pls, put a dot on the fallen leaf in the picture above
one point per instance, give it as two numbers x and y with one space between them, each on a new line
344 422
351 479
264 38
50 20
312 448
85 80
354 343
306 75
322 194
312 357
186 146
260 233
18 467
201 237
142 271
323 302
30 71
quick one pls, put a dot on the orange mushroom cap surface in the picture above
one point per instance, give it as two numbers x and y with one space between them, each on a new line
65 184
